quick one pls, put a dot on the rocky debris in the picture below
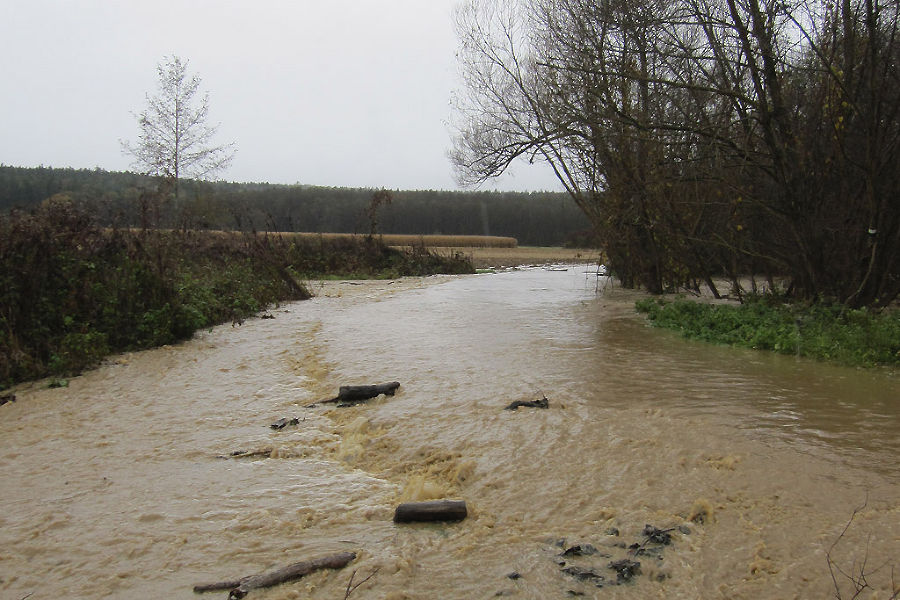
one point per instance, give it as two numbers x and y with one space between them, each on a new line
579 550
584 574
658 536
625 569
641 550
616 561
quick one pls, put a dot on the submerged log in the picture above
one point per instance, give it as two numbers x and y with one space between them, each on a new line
359 393
239 588
348 395
433 510
542 403
284 422
262 453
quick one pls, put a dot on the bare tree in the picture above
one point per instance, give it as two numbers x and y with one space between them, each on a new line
175 140
702 136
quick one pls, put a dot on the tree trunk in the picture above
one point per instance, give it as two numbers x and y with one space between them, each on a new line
241 587
435 510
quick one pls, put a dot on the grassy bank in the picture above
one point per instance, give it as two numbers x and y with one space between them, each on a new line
825 332
72 292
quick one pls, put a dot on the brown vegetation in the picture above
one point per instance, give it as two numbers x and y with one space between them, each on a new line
483 258
427 241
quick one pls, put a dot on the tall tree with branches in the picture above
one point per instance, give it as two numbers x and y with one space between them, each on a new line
702 137
175 139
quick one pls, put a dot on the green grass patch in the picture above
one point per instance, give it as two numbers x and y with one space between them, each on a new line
825 332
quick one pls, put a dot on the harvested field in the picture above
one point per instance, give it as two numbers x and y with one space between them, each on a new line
429 241
483 258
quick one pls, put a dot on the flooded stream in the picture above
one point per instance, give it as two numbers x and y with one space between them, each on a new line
121 485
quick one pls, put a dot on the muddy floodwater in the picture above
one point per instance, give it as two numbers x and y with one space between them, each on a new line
121 485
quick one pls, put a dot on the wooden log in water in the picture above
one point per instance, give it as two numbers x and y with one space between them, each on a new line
241 587
353 394
433 510
358 393
542 403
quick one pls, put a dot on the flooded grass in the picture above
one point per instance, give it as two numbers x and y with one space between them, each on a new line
825 332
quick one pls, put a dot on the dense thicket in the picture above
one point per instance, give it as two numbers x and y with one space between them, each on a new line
72 291
129 200
703 137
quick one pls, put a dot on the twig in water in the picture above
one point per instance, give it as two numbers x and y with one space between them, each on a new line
858 578
352 588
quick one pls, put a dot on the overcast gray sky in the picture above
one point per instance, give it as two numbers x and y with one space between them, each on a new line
324 92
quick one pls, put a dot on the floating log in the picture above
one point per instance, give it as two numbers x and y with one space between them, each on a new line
359 393
433 510
542 403
348 395
239 588
284 422
263 453
7 398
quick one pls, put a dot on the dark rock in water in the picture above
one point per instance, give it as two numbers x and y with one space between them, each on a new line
582 574
625 569
612 531
657 536
684 529
7 398
284 422
542 403
574 593
514 575
579 550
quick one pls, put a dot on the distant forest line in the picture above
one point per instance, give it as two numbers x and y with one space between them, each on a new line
124 199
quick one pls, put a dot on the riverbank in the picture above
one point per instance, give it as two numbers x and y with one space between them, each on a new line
74 292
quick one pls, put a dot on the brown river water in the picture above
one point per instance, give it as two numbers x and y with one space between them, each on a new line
115 487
